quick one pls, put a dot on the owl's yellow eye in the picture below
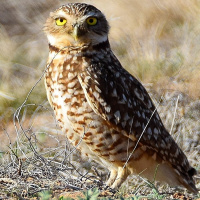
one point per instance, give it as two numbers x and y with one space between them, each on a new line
61 21
91 21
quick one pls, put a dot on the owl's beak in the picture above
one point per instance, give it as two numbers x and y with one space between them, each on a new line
76 32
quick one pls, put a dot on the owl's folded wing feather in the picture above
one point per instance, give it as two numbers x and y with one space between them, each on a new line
120 99
123 102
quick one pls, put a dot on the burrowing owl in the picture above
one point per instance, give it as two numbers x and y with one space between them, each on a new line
103 109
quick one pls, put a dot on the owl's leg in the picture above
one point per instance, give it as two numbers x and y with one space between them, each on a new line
122 174
113 175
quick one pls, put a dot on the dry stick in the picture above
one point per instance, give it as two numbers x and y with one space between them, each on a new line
74 148
73 167
18 111
33 116
32 119
81 138
70 185
29 139
19 139
66 147
176 106
67 155
140 137
10 144
77 144
61 174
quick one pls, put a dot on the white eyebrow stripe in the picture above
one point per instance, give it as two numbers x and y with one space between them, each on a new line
60 13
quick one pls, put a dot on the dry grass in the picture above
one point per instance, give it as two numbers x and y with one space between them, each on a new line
157 41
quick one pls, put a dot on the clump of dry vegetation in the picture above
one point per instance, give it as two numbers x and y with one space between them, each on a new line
157 41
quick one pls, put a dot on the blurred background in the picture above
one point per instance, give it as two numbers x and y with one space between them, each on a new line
158 41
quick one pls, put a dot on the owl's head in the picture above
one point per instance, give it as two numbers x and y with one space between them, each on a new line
76 24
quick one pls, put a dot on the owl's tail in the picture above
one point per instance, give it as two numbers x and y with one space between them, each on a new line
187 180
175 177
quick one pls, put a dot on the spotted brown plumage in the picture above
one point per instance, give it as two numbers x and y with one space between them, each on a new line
104 111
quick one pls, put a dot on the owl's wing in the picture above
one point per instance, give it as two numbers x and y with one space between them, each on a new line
118 97
123 103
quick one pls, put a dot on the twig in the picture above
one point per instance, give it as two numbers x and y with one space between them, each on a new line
176 106
140 137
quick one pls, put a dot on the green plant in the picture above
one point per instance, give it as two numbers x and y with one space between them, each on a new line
45 195
91 194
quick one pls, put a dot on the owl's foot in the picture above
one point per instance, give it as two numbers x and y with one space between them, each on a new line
117 177
113 176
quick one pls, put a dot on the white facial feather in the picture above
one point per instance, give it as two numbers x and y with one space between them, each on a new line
52 40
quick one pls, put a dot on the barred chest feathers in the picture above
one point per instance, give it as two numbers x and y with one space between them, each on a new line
64 90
